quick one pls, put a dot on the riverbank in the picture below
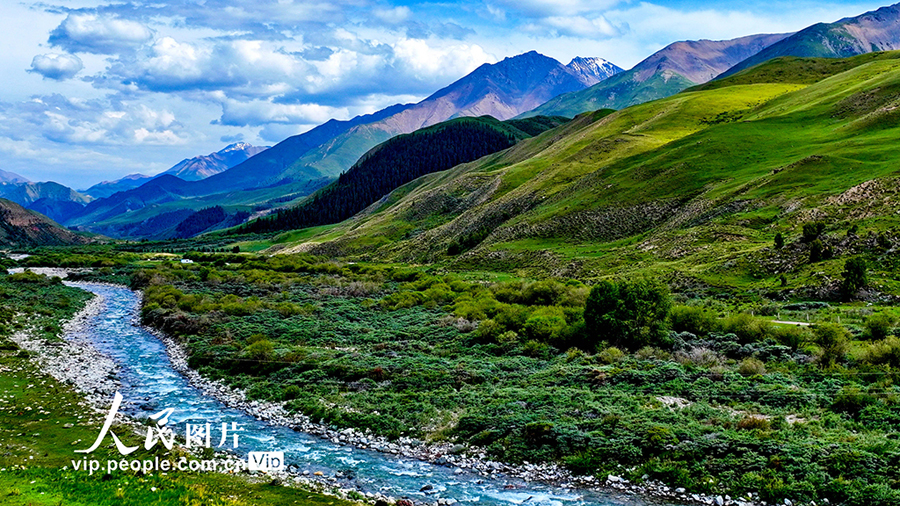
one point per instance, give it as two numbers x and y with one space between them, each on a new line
461 459
44 417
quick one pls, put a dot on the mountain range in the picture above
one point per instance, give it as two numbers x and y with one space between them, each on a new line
685 64
672 69
189 169
51 199
244 180
9 177
696 181
878 30
301 164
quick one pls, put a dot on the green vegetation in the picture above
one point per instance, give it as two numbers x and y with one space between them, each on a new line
604 295
398 161
628 314
724 402
41 420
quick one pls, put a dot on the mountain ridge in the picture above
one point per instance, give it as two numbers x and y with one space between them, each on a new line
672 69
877 30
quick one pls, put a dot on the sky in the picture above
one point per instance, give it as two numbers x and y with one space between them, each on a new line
94 89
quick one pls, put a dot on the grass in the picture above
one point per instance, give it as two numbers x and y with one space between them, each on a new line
682 184
43 421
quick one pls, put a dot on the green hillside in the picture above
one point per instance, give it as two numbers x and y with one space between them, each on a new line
679 185
399 161
668 71
617 92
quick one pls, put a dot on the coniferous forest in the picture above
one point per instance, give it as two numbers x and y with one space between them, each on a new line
399 161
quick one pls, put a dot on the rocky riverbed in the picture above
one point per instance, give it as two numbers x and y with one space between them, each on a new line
76 361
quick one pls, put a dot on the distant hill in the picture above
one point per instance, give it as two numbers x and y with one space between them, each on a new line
202 167
267 168
104 189
677 66
9 177
190 169
873 31
502 90
53 199
695 185
24 228
400 160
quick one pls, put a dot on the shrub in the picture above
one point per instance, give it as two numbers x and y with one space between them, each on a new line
816 251
508 338
834 340
631 314
611 355
812 231
854 276
747 328
879 326
886 351
543 293
754 423
700 357
291 392
544 328
693 319
752 367
487 331
792 336
852 400
536 349
779 241
260 350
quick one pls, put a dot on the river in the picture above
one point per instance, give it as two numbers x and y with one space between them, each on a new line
149 383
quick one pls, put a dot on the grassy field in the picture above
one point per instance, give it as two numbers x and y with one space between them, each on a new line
730 403
679 186
42 422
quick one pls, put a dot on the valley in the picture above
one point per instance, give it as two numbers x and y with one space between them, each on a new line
544 283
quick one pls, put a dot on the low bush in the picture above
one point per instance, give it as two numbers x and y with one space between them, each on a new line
748 328
693 319
752 367
879 326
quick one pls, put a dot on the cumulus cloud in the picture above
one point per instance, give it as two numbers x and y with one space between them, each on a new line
90 122
576 26
56 66
393 16
260 112
91 33
548 8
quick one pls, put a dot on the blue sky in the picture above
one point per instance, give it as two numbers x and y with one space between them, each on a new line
94 90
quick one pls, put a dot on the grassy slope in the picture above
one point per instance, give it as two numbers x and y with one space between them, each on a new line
617 92
674 184
42 421
793 69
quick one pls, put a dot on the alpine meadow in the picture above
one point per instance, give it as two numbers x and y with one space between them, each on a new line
544 283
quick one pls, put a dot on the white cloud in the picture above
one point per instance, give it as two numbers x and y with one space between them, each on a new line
260 112
56 66
548 8
576 26
90 33
393 16
455 60
74 121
